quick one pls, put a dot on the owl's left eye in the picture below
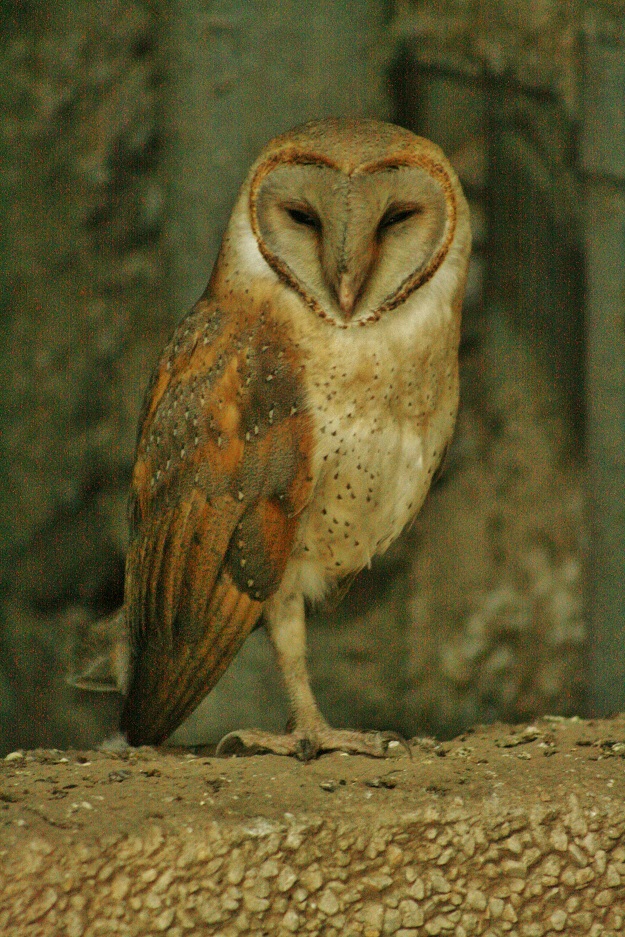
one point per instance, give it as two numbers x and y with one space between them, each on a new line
303 217
396 214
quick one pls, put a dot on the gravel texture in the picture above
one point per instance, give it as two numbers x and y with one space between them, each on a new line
505 830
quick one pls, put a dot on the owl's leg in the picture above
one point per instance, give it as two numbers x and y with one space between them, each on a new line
310 733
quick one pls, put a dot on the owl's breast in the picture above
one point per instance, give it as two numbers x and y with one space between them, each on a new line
381 432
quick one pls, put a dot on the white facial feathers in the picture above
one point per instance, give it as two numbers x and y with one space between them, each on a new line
356 244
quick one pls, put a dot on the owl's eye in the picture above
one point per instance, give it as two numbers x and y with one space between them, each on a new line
303 217
396 214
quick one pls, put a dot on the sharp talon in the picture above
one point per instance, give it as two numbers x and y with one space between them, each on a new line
257 742
233 745
388 737
223 744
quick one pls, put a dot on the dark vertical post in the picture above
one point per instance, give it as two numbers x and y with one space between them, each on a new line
235 75
603 163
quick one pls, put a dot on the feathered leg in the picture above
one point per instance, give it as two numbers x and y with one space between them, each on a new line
311 734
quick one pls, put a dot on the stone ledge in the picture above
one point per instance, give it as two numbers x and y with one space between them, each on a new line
504 831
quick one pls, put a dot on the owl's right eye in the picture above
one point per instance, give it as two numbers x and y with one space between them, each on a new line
305 218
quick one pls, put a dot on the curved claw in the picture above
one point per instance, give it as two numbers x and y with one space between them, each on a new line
254 742
234 744
388 737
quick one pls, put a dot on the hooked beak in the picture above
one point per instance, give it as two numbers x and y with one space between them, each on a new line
347 293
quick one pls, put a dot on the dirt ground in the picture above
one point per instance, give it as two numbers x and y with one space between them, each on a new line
105 793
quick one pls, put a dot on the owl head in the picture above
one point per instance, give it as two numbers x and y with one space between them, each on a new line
354 216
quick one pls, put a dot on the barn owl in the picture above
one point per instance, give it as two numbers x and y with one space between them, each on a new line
295 421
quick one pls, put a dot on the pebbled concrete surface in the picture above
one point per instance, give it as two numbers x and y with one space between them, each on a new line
504 831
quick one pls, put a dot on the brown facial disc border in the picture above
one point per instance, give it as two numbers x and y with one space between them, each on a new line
414 280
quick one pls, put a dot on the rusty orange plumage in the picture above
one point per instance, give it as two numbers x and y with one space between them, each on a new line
221 473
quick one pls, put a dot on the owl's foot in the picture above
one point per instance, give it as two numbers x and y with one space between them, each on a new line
306 745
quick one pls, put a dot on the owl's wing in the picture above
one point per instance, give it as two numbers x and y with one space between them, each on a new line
222 473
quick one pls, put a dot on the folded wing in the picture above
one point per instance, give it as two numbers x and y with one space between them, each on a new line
221 476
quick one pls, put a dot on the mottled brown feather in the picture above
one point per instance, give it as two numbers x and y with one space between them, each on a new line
222 473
